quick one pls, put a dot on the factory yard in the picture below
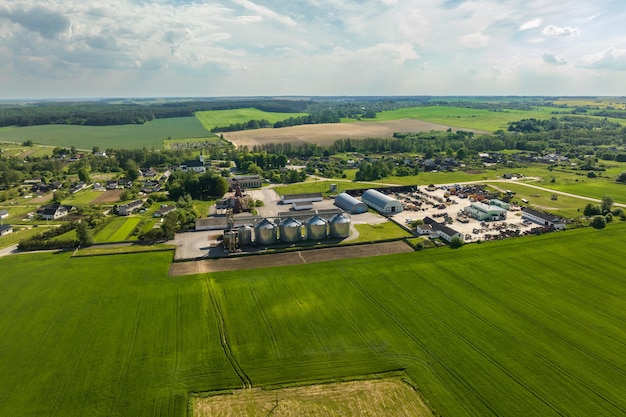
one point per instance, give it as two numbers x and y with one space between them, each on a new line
436 203
472 229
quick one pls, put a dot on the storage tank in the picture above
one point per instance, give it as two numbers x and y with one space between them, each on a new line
316 228
265 232
290 230
340 226
245 235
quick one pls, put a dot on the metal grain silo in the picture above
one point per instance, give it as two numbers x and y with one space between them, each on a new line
316 228
340 226
290 230
245 235
265 232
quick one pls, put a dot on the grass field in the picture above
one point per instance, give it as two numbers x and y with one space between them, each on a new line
390 397
218 118
117 230
377 232
467 118
149 135
528 326
14 149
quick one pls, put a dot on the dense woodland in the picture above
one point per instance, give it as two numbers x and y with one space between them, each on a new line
319 110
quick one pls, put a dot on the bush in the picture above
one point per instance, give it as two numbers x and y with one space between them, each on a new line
456 242
621 177
598 222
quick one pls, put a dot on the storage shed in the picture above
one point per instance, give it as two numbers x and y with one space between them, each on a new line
350 204
381 202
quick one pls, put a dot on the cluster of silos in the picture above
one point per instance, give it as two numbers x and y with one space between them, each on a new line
266 232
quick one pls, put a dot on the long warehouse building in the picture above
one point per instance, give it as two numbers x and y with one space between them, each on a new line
381 202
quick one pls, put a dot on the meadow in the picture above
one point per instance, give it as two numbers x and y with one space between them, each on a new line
460 117
149 135
221 118
527 326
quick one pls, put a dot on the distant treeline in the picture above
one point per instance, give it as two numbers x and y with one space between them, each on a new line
106 114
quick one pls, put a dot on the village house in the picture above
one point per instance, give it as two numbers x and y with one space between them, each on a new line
128 209
53 212
5 229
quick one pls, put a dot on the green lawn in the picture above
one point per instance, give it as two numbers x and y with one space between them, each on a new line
218 118
117 230
149 135
527 326
377 232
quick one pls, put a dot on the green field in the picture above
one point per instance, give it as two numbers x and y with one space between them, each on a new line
219 118
149 135
117 230
467 118
528 326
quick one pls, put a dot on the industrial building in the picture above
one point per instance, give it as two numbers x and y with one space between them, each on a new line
484 212
381 202
543 219
245 181
350 204
499 203
301 198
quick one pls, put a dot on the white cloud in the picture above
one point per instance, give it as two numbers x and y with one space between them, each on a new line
531 24
475 40
552 30
609 59
552 59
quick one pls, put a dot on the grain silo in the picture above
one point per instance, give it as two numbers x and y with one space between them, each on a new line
245 235
290 230
265 232
340 226
316 228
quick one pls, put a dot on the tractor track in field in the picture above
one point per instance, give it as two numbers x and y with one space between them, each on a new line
266 321
471 344
223 336
439 361
57 403
126 360
350 319
313 327
548 362
547 329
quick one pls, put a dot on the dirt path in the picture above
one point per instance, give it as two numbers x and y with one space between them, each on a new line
287 258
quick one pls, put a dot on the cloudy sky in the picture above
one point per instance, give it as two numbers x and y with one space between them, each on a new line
132 48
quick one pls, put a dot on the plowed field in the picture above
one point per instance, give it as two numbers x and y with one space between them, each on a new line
326 134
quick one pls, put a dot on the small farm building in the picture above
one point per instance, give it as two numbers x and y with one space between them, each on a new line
301 198
5 229
350 204
381 202
543 219
484 212
4 214
444 232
